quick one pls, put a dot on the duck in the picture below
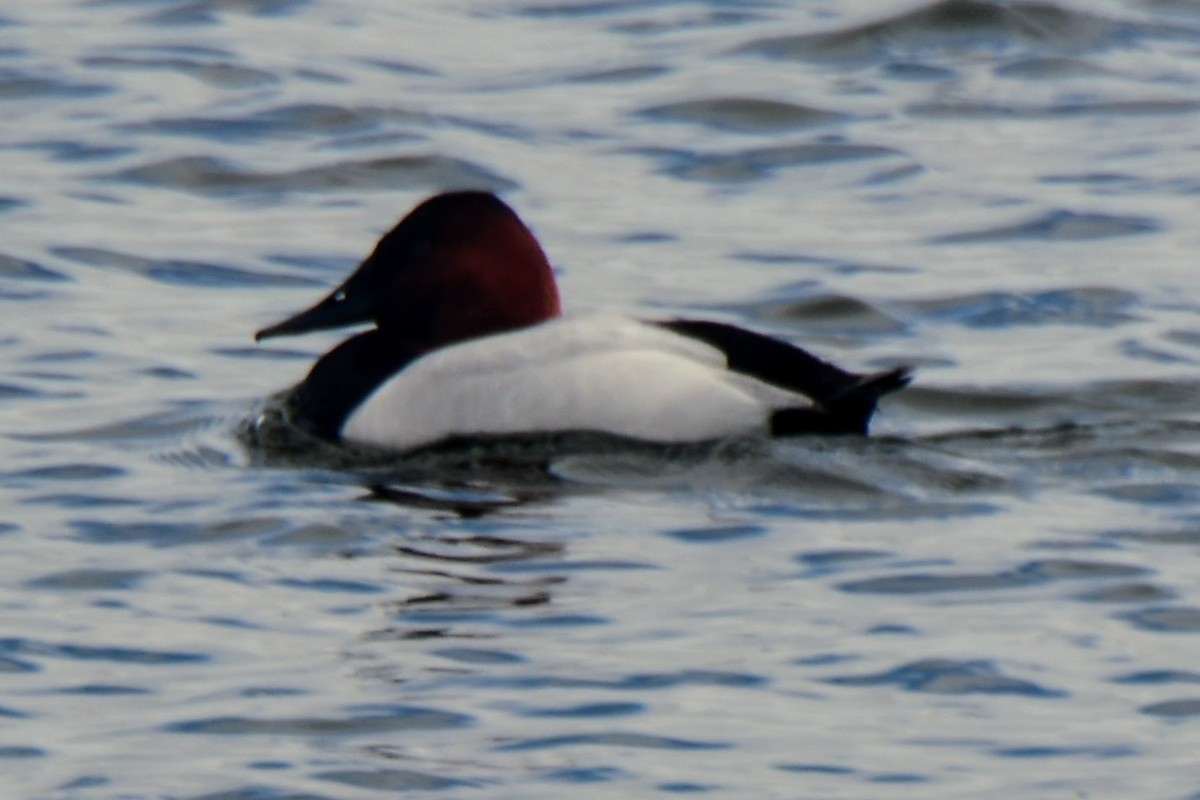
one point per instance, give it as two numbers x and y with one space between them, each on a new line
467 338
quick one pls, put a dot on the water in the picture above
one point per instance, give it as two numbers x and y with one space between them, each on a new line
995 597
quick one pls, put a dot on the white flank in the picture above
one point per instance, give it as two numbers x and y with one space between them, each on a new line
597 373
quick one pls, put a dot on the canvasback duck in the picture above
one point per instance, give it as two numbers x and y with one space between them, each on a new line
469 340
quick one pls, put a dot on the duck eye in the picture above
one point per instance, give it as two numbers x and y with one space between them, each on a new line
339 296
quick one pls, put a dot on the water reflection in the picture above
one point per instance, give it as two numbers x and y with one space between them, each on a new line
459 590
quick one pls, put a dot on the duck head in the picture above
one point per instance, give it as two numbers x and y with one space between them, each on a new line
459 266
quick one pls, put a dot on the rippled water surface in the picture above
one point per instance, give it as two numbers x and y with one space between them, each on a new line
997 596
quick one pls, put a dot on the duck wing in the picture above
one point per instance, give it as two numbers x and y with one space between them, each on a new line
843 401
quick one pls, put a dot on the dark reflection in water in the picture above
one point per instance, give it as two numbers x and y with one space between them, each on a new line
460 591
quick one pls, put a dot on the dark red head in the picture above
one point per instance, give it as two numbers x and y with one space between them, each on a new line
459 266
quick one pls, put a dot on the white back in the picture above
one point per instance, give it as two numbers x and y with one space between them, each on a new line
597 373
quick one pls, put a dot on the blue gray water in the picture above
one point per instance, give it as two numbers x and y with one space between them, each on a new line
996 597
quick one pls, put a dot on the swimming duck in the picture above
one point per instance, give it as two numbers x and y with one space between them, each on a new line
469 340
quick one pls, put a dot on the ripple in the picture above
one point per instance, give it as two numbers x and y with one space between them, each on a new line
653 26
358 721
1072 569
587 710
19 269
1091 306
1166 619
740 166
1128 593
1058 751
716 534
1159 677
291 122
917 71
105 690
457 593
89 579
78 652
111 533
480 549
556 621
176 534
817 769
1153 493
741 114
204 175
210 12
1057 226
69 472
1142 352
9 391
180 273
1049 68
168 426
613 739
16 86
1187 338
828 562
1102 180
1186 537
585 774
330 585
836 266
569 10
215 70
964 110
407 68
1028 574
956 26
479 656
946 676
393 780
18 751
61 357
627 74
15 665
1173 709
646 681
71 151
920 583
826 314
197 457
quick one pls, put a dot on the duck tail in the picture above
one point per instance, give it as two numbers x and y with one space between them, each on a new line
847 411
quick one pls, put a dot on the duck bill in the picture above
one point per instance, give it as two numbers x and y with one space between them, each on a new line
346 305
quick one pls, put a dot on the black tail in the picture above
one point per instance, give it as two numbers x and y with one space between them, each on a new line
848 411
843 402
